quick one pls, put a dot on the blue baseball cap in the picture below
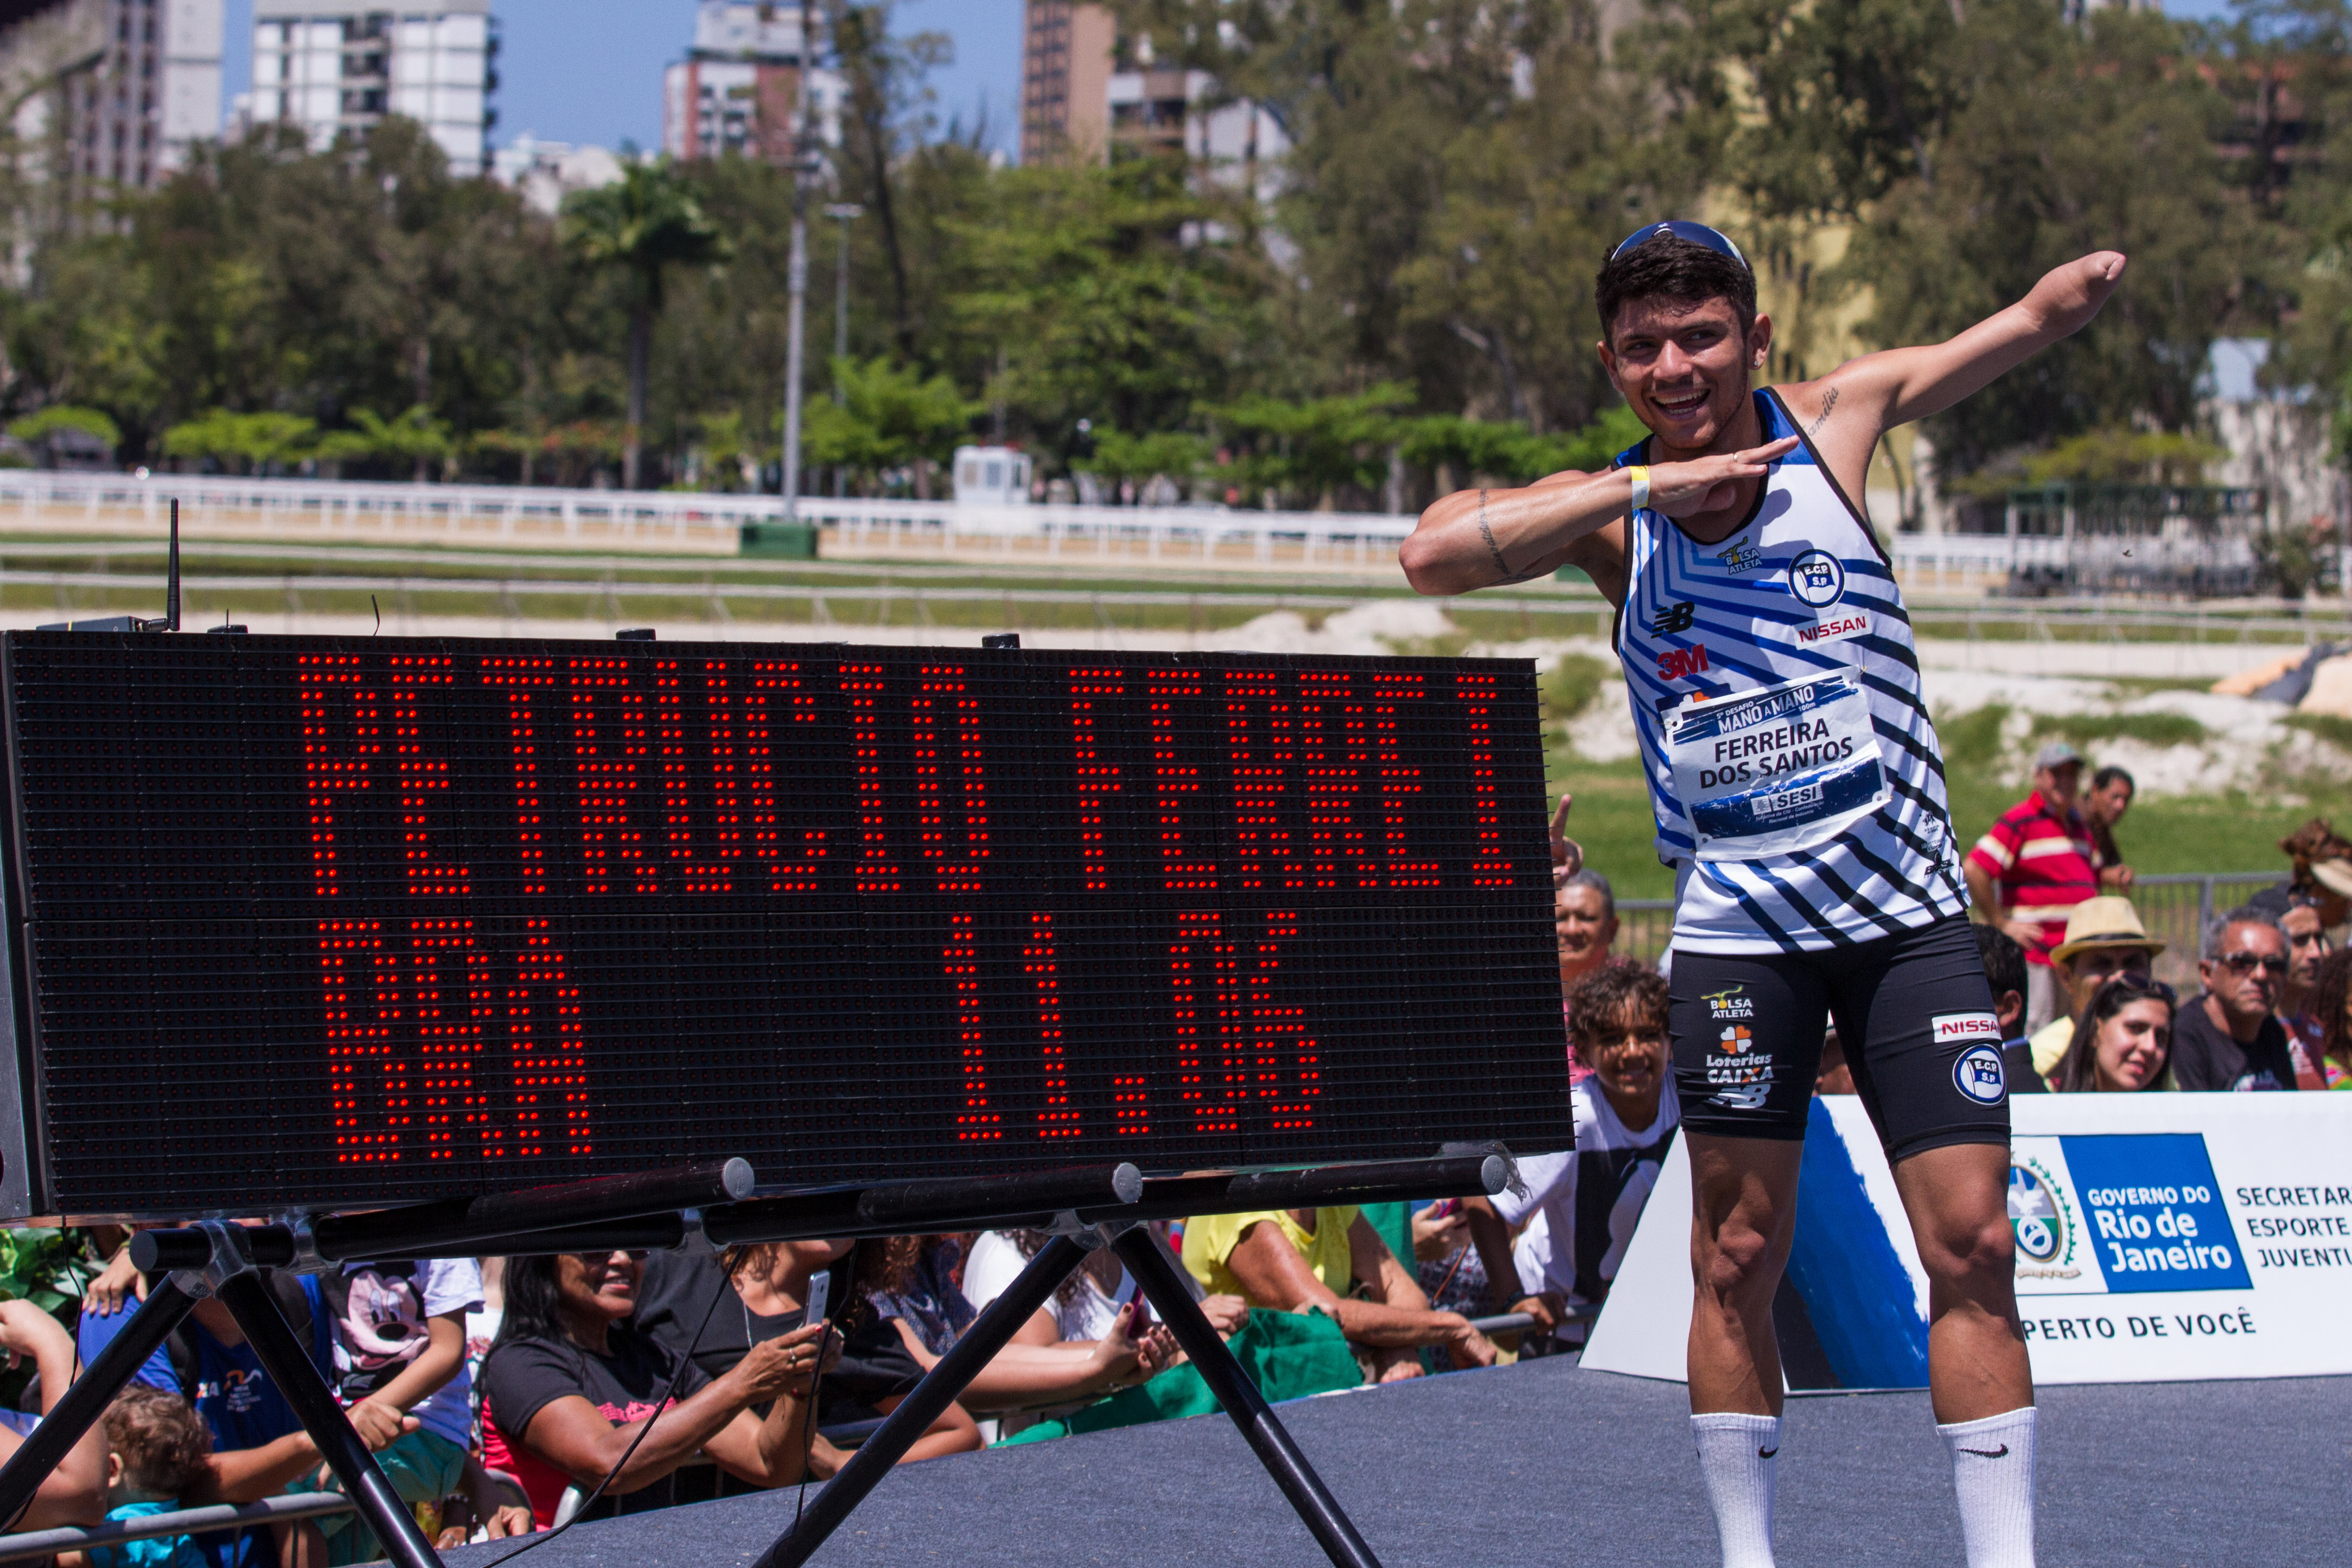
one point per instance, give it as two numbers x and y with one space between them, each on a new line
1696 233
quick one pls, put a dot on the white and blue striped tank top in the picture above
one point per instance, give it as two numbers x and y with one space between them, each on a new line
1793 771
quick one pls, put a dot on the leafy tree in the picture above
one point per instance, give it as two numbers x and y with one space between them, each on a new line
416 437
1309 451
256 439
2125 457
1178 454
641 226
890 416
35 428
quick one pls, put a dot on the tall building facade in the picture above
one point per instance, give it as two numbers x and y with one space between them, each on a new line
1066 70
114 91
1085 90
738 89
332 65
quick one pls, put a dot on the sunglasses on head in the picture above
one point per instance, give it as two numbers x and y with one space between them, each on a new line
2247 962
2139 985
1696 233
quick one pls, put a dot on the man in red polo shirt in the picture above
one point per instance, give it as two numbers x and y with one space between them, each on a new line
2032 867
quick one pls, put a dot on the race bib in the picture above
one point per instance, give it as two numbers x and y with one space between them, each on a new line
1776 771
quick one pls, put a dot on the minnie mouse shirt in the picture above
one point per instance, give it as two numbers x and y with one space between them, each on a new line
381 1328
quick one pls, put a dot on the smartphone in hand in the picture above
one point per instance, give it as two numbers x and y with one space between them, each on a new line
820 1295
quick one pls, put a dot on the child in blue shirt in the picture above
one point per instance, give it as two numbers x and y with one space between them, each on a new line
158 1453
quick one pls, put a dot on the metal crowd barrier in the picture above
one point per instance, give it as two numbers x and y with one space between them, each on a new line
38 1543
2175 907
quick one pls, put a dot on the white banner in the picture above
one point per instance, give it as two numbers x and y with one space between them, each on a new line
2160 1237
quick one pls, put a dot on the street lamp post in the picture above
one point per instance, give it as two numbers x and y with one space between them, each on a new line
803 171
844 211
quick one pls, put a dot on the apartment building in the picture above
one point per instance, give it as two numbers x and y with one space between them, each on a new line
332 66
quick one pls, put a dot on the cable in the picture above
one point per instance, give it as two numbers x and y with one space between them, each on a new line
540 1538
808 1427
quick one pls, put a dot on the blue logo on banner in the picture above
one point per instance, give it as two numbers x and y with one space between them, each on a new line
2152 1209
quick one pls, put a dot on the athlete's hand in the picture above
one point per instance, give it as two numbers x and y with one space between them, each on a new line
2069 296
1566 854
1709 484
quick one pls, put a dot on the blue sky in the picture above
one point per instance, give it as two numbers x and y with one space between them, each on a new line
590 70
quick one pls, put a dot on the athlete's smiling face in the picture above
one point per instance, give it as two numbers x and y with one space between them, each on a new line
1683 367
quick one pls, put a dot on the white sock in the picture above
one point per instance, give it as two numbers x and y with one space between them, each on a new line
1992 1469
1736 1457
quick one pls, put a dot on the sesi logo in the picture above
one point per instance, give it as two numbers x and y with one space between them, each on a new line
1678 662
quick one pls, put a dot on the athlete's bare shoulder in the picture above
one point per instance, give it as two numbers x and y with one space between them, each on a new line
1842 414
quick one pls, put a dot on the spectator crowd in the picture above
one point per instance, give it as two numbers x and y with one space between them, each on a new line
506 1395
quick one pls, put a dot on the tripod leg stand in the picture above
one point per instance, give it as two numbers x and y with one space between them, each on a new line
1333 1531
86 1400
290 1367
989 1334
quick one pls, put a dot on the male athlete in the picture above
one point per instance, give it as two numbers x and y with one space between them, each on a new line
1799 792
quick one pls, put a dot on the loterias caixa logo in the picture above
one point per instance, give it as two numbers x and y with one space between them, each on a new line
2120 1213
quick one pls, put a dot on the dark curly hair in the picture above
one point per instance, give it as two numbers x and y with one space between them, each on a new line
1675 268
2329 990
1613 991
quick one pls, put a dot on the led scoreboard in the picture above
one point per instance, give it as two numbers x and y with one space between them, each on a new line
323 922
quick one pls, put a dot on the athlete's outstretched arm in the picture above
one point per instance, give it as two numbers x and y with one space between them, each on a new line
1479 539
1904 385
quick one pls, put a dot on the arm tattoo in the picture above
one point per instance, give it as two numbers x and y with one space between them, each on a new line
1501 565
1829 401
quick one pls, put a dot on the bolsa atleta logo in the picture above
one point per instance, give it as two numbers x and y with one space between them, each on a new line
1743 1073
1740 556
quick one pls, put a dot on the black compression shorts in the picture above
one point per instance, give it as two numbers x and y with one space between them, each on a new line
1914 1014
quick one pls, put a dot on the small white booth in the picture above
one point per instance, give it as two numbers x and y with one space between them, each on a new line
991 475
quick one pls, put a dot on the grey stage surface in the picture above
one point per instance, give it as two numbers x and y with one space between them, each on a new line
1549 1465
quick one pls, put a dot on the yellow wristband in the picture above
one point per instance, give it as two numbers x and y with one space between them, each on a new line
1640 487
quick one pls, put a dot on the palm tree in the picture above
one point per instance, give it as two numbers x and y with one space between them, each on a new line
644 223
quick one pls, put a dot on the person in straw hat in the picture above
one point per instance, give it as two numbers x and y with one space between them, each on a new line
2103 939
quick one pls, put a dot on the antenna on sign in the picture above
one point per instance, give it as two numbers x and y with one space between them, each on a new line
169 620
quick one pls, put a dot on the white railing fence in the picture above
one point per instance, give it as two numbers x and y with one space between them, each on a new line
706 523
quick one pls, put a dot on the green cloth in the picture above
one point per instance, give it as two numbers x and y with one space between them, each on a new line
423 1466
1288 1355
1394 1222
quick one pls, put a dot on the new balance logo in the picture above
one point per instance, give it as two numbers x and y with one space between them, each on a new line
1675 663
1675 617
1999 1453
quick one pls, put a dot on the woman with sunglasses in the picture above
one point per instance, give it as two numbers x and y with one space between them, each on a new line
2229 1037
570 1383
2123 1041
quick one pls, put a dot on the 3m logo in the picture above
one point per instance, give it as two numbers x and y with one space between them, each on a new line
1961 1029
1675 617
1675 663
